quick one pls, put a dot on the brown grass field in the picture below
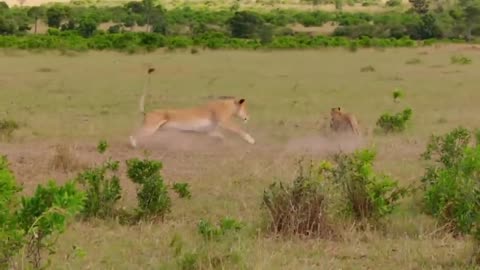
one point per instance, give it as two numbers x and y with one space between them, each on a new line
76 99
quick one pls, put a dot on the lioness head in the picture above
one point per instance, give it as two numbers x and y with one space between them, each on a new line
242 109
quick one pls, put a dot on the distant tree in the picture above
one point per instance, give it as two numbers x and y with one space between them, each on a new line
36 13
471 14
8 26
3 6
56 14
87 26
244 24
419 6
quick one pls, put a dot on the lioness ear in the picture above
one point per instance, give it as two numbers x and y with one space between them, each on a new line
241 101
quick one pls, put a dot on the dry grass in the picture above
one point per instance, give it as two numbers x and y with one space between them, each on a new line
93 96
65 159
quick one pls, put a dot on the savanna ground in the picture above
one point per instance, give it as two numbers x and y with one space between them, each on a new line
77 99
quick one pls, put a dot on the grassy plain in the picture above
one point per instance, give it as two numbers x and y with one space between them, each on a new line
79 98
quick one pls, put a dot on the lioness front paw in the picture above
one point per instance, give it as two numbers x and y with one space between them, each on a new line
249 139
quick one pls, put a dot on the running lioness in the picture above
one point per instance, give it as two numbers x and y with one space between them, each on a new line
206 119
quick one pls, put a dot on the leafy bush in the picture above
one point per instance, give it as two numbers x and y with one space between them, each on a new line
452 181
102 146
46 214
369 196
103 190
11 236
394 123
7 127
300 207
182 189
152 194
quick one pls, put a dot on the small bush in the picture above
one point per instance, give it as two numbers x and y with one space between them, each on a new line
397 94
182 189
11 236
369 196
210 231
102 186
45 214
152 194
102 146
452 181
300 207
367 69
7 127
394 123
460 60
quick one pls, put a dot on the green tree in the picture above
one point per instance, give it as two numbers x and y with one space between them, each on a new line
87 26
36 13
56 14
244 24
471 14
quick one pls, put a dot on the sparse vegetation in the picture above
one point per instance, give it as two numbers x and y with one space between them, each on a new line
65 159
460 60
7 127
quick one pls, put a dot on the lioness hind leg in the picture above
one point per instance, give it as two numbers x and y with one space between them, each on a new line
145 131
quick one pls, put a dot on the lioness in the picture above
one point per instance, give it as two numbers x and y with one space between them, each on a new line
342 121
205 119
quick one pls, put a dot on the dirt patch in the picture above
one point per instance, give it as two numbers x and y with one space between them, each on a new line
324 145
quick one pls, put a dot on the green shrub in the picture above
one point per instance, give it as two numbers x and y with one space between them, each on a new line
369 196
397 94
102 146
182 189
45 214
103 190
152 194
11 235
452 180
300 207
394 123
7 127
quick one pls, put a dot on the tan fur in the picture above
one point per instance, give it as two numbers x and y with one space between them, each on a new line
206 118
342 121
